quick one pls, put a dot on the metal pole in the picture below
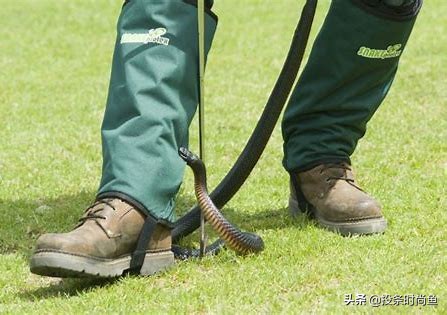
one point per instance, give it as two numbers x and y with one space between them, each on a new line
201 36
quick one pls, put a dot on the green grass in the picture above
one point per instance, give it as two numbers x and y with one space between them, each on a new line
55 64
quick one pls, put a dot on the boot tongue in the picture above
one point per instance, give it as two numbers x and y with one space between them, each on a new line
110 222
341 171
348 174
338 171
102 214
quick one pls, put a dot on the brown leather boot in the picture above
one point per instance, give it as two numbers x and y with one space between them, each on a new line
104 244
331 195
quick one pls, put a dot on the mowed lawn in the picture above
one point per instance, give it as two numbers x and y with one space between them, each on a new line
54 69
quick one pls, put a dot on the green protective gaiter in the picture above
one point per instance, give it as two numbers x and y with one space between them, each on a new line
153 95
349 72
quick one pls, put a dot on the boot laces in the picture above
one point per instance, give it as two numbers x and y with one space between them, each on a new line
345 168
93 211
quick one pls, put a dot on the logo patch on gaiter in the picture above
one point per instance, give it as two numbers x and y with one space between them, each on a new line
392 51
154 35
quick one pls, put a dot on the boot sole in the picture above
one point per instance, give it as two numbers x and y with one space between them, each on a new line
347 228
66 265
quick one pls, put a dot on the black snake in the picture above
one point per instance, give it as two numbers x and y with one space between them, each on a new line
236 177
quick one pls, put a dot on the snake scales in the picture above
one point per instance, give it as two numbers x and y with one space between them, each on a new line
241 242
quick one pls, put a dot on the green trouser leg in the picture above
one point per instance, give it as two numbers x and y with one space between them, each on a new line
153 96
350 70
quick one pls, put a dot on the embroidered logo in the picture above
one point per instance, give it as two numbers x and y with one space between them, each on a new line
392 51
154 35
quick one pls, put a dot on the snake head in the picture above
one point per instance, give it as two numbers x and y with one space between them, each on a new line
187 155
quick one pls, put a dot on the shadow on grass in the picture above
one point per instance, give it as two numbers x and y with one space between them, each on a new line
66 288
266 219
23 220
255 222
